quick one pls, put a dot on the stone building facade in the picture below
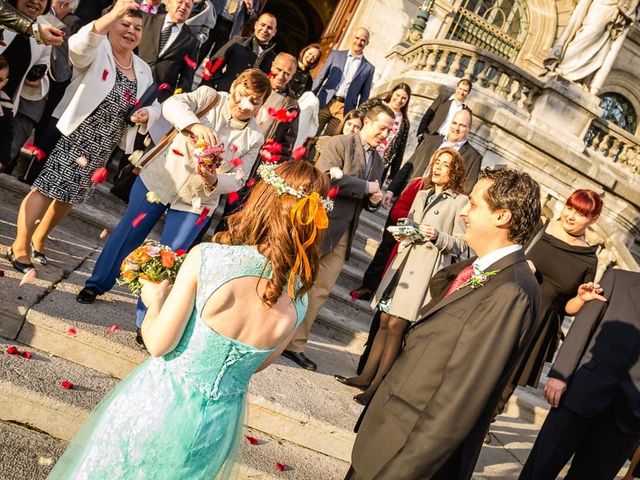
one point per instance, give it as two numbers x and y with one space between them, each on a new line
530 110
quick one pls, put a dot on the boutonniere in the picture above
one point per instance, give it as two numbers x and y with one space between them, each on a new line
477 280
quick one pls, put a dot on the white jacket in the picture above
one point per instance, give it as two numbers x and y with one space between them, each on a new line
91 57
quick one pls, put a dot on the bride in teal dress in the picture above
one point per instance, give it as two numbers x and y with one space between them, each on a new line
232 310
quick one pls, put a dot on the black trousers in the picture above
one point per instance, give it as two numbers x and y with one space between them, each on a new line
599 447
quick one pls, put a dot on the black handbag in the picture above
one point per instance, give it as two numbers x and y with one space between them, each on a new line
148 97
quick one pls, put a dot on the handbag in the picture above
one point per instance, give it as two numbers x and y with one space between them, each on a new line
148 97
123 182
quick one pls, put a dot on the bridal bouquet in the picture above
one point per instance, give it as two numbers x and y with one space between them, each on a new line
150 261
207 155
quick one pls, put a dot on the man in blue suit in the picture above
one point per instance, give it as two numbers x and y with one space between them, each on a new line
344 82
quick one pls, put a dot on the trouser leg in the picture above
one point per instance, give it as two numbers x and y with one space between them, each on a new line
330 268
125 238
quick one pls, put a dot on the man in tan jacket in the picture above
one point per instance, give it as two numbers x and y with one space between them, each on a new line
430 414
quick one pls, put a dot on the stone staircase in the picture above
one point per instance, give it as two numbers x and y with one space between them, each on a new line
303 419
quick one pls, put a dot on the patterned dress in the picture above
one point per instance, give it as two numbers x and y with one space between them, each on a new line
178 416
67 173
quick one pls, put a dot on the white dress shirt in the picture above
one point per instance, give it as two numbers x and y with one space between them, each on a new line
350 69
481 264
454 108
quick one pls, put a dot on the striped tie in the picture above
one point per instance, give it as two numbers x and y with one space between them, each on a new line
164 35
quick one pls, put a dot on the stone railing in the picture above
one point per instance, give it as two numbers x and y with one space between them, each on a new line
614 143
485 69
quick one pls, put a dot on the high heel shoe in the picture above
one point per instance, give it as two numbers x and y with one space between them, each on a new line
19 266
38 256
364 398
349 381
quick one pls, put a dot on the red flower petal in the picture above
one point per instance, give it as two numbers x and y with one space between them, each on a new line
66 384
236 162
26 355
271 74
251 182
105 73
40 155
355 295
99 176
333 191
13 350
180 252
281 467
216 65
138 219
233 197
190 63
202 217
127 97
177 152
211 67
113 328
163 86
71 331
234 149
252 440
299 153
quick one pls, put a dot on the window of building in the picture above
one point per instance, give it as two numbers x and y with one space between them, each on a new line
617 109
498 26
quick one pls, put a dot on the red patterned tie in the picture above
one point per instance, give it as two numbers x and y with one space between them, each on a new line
464 276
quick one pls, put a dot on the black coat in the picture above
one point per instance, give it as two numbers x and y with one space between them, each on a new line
434 116
169 67
419 161
238 54
600 358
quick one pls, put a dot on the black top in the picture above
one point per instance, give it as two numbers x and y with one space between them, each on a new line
560 268
18 55
300 82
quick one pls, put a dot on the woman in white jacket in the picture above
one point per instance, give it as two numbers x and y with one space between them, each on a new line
174 182
108 79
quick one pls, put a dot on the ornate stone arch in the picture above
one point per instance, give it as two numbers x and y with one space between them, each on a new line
543 26
625 84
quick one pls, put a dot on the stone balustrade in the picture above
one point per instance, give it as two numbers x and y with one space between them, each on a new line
614 143
510 83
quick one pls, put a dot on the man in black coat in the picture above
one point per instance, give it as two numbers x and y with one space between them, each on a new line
240 53
167 40
438 116
594 389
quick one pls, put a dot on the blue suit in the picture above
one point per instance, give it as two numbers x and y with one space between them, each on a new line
328 81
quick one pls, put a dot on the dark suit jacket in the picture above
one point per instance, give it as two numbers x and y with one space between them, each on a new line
89 10
600 356
419 161
238 54
434 116
434 406
326 83
170 66
347 153
241 17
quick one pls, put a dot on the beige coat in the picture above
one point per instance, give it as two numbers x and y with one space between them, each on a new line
417 263
172 175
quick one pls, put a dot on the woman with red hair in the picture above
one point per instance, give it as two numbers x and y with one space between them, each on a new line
565 265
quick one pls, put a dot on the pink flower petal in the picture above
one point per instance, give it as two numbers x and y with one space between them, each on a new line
234 148
29 277
190 63
163 86
104 233
202 217
105 73
233 197
299 153
99 176
113 328
333 191
82 161
136 221
236 162
180 252
177 152
252 440
251 182
281 467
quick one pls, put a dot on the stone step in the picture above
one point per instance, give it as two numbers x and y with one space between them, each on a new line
29 454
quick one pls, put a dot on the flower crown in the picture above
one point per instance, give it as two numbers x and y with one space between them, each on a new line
268 174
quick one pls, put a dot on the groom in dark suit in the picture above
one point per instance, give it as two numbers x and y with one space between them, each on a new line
164 45
594 389
429 416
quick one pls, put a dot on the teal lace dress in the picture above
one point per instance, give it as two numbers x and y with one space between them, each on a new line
178 416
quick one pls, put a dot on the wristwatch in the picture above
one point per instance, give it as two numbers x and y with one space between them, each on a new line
36 33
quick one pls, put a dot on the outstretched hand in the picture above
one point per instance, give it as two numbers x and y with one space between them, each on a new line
590 291
50 35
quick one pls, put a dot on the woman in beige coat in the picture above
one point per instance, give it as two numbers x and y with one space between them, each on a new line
404 289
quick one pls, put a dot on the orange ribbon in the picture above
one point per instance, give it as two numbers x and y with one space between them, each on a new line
317 215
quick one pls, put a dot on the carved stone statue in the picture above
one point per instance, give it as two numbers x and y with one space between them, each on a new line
590 38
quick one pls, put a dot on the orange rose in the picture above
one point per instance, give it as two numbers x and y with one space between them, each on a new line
168 259
128 275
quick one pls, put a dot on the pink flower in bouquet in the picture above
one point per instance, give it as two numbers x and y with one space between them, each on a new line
153 250
208 155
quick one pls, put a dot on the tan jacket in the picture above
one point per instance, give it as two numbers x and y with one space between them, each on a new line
417 263
172 175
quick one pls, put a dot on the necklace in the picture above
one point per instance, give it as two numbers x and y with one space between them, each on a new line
122 66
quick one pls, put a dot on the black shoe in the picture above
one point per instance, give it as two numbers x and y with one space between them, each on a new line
301 359
39 256
19 266
139 339
347 381
487 438
87 295
363 398
362 293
